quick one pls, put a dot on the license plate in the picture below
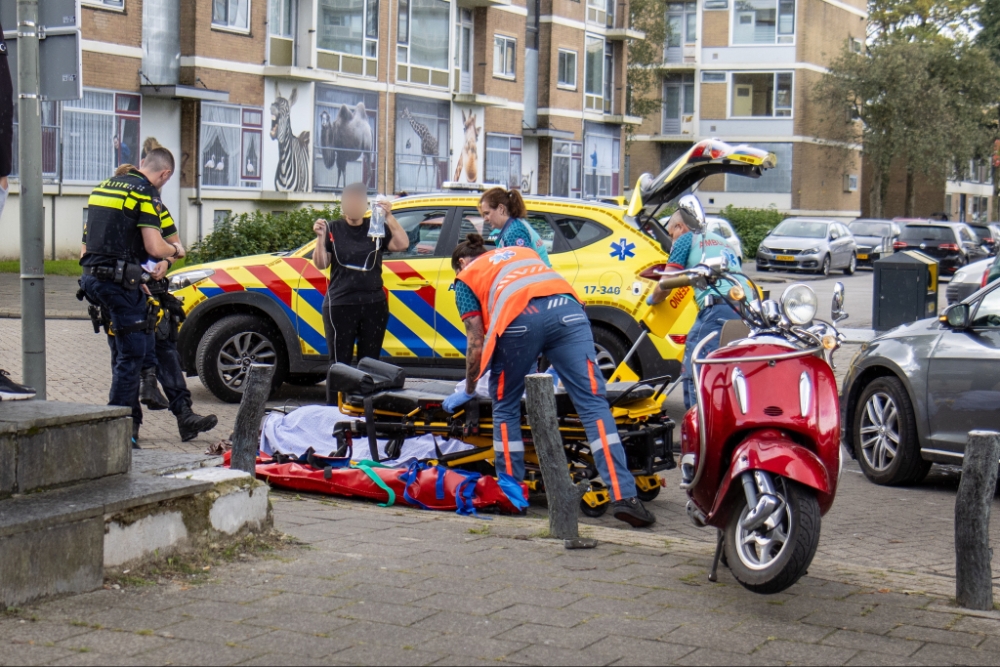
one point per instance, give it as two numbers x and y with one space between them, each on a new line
785 258
862 256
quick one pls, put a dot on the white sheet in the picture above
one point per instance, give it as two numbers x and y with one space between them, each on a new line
312 426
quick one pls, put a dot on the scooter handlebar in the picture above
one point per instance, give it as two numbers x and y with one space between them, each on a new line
672 282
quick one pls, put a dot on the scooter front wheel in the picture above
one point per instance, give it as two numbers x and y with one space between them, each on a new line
774 556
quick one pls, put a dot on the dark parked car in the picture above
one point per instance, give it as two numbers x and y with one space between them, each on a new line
912 394
952 244
874 238
986 234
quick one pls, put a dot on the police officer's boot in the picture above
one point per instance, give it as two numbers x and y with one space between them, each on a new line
190 425
149 391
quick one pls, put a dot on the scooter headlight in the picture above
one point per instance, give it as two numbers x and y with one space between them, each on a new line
799 303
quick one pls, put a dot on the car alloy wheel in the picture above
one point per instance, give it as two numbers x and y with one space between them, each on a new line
879 431
605 360
239 353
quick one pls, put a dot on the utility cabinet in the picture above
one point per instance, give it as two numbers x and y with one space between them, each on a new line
905 289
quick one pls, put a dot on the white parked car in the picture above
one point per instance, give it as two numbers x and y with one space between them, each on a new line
721 226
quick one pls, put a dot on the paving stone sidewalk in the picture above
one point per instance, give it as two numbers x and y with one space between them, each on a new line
401 586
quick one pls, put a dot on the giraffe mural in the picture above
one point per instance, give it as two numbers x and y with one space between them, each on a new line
423 143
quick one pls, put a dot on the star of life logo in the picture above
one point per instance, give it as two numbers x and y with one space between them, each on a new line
502 256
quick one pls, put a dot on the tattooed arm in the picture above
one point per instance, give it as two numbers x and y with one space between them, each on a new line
474 353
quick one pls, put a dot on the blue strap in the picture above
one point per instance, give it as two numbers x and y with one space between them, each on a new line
441 470
409 477
513 490
465 493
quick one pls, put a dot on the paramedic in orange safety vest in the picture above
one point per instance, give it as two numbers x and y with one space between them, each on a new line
516 308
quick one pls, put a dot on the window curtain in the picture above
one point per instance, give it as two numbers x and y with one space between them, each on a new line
220 145
428 44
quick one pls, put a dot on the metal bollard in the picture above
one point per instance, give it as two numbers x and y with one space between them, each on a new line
562 494
246 432
973 573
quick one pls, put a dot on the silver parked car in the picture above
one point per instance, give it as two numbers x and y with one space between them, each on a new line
809 244
874 238
721 226
912 395
968 279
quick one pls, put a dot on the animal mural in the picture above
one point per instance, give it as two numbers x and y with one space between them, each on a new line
293 151
345 139
526 181
428 145
470 151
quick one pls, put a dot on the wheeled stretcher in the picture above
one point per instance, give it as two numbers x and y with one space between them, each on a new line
385 408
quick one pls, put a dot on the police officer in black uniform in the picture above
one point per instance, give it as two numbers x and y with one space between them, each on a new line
123 232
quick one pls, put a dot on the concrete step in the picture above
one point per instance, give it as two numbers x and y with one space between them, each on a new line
52 543
46 444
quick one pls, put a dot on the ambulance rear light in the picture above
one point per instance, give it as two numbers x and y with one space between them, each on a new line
678 339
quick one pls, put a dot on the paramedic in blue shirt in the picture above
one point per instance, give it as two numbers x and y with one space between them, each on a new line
504 210
692 246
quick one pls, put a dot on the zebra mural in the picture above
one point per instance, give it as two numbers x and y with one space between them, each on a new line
292 172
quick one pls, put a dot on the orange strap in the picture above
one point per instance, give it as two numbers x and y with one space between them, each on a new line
607 458
506 448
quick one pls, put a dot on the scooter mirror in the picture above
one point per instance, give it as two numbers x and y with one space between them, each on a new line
837 312
692 212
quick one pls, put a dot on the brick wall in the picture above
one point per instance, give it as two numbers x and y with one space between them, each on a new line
111 72
245 89
713 101
644 156
823 30
715 28
117 27
509 25
561 36
812 118
818 178
199 37
929 200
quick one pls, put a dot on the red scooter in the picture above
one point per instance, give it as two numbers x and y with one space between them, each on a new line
760 452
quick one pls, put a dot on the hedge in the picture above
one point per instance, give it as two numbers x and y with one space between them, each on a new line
258 233
752 225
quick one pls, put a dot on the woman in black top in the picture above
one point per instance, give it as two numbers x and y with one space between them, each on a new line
355 310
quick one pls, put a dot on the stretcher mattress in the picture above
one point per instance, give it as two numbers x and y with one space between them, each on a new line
429 395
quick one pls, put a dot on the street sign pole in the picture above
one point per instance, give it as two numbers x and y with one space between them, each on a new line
29 155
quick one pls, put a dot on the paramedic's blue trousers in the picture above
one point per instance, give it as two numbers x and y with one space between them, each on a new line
557 327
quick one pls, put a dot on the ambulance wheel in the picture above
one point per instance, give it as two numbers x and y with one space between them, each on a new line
230 346
594 512
610 349
648 496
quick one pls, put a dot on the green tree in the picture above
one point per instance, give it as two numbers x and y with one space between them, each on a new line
929 102
645 58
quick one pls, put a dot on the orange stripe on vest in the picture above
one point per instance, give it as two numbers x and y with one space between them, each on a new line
490 274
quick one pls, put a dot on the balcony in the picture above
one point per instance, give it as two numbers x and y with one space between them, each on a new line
622 34
479 99
300 73
470 4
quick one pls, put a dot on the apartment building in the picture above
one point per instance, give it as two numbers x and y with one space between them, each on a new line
969 196
742 71
273 104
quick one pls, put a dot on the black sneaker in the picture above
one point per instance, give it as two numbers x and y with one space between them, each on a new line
135 436
633 512
12 391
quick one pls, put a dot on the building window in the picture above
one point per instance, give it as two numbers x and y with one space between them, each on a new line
567 169
230 146
503 160
601 146
50 142
601 12
108 4
421 28
678 102
764 22
856 45
567 69
777 180
504 56
422 133
682 24
220 216
598 67
281 20
713 77
346 131
762 95
234 14
349 30
100 132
